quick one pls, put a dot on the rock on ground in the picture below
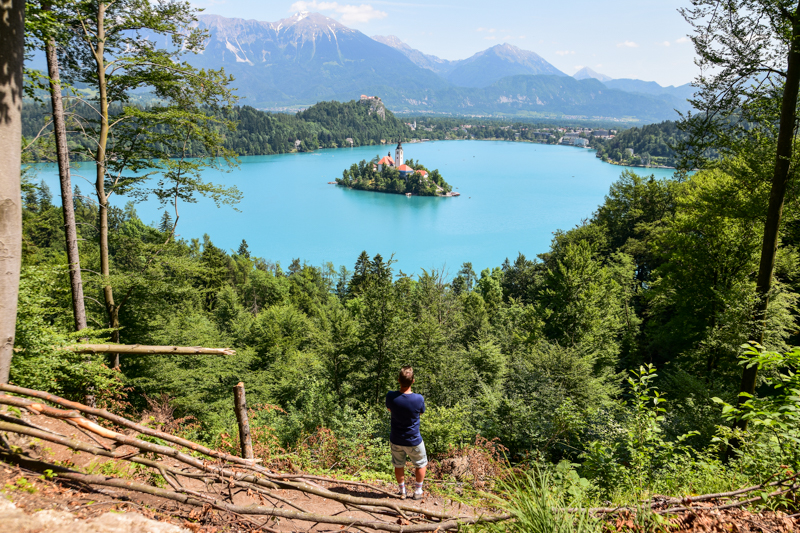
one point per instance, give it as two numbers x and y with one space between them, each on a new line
18 521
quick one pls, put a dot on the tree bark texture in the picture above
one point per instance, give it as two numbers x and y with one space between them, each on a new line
780 180
240 405
12 51
139 349
62 153
98 53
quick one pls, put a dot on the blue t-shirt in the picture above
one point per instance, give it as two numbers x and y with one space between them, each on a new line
406 409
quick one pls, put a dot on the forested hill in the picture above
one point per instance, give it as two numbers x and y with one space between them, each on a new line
324 125
653 144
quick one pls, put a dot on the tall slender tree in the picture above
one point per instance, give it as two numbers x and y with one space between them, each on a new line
749 54
114 48
43 26
12 53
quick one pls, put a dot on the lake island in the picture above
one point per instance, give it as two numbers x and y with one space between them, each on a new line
395 176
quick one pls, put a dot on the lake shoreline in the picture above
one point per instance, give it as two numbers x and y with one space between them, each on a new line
513 199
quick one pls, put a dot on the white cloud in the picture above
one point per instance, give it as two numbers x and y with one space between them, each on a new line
599 65
665 43
349 13
682 40
628 44
564 52
578 67
490 37
488 30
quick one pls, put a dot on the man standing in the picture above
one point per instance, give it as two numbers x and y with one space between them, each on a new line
405 439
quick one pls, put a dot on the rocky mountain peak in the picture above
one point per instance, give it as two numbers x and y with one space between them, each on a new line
310 25
586 73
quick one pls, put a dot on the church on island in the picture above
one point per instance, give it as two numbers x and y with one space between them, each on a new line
398 162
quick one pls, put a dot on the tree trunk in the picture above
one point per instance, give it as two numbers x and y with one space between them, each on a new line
141 349
240 406
12 52
780 180
102 199
62 152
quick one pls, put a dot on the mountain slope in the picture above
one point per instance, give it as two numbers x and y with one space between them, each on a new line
681 92
306 58
546 96
586 73
497 62
420 59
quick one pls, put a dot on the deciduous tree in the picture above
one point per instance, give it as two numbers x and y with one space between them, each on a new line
749 55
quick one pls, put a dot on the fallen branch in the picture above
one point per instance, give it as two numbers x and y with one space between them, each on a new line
270 480
141 349
194 498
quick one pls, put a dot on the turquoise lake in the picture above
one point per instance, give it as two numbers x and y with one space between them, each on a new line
513 197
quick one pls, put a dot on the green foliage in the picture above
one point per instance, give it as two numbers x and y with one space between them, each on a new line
773 440
40 359
650 145
538 501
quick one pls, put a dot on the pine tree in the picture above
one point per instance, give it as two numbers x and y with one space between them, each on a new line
165 226
43 196
244 250
360 274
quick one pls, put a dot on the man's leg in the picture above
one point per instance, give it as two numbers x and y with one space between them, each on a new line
420 461
398 462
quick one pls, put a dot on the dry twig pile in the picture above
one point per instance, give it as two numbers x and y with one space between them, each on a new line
222 475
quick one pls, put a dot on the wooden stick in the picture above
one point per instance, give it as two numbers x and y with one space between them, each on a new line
240 406
140 349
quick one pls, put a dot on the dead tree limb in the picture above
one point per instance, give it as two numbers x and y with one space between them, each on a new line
270 480
197 499
123 422
140 349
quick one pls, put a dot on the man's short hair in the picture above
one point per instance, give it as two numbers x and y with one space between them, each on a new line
406 377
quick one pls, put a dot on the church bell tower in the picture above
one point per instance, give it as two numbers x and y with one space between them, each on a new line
398 154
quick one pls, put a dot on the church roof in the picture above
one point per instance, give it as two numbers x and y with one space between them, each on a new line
422 172
386 161
405 168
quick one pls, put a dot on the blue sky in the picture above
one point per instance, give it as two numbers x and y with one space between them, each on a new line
643 39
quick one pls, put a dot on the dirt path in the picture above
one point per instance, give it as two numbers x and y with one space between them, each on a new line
31 492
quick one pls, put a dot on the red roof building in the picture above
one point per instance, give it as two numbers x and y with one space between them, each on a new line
405 168
387 160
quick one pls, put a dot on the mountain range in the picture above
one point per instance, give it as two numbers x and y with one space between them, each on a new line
306 58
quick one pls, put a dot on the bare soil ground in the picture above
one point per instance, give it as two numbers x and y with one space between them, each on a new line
24 485
33 493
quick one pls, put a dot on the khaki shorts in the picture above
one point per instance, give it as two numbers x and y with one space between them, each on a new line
416 454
